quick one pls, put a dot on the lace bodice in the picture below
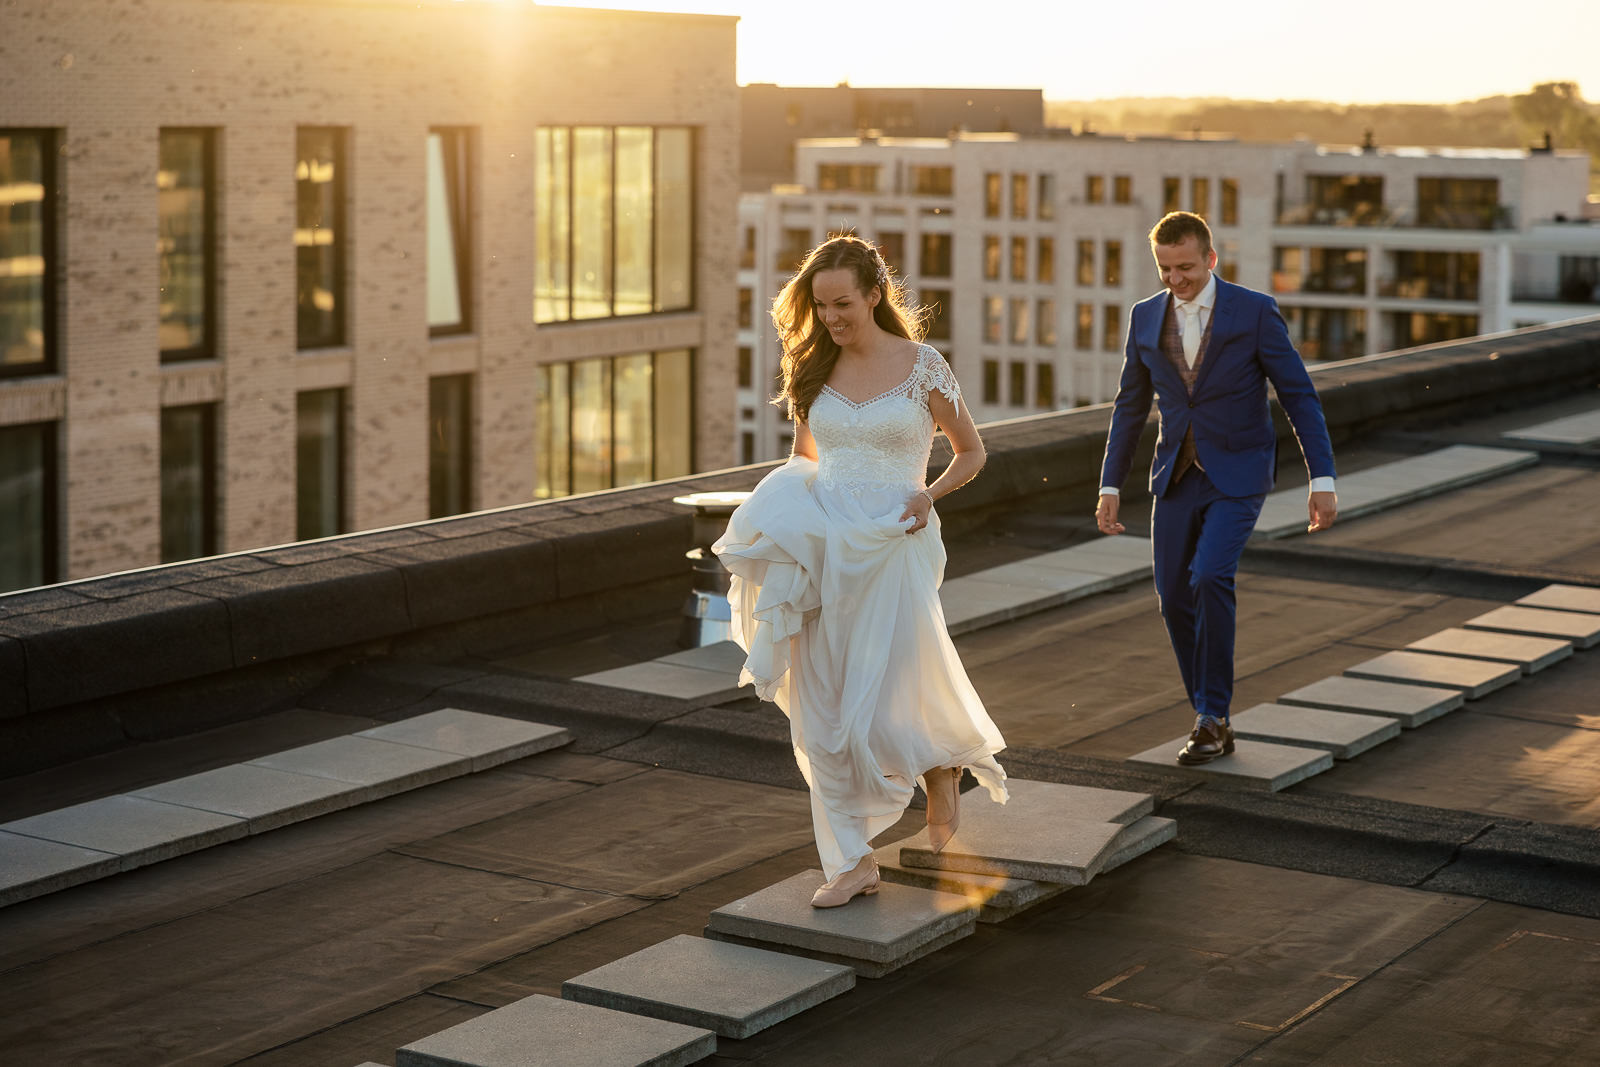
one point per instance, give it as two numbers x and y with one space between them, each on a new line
884 442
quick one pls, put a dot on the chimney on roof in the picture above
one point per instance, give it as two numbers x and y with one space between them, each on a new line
1547 148
1368 145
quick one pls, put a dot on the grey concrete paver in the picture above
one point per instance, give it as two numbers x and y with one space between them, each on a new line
141 831
724 657
998 897
1532 654
875 934
543 1031
1582 429
487 740
1389 485
734 990
1582 630
1045 832
1344 734
1473 677
1564 598
1410 705
1252 764
264 796
31 867
668 680
383 766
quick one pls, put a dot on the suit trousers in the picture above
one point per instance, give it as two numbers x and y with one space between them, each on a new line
1197 537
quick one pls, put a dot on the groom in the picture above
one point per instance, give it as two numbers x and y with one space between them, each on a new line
1206 349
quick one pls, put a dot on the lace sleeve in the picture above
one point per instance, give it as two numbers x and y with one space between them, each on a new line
933 374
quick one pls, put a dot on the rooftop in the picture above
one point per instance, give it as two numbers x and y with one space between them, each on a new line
1432 899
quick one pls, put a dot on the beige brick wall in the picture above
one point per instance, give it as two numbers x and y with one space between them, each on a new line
110 73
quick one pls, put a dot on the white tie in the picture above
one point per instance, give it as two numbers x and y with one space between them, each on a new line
1191 330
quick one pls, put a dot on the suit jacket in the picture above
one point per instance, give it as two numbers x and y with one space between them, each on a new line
1227 411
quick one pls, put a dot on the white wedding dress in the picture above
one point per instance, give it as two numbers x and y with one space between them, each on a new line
837 608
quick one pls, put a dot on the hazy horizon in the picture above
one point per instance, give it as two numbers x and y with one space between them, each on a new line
1375 51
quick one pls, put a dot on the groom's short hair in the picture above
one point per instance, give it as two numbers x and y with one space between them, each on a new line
1177 225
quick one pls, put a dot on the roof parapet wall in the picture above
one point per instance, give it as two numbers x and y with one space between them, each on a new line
88 666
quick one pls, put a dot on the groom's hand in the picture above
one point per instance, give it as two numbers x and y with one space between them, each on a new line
1321 510
1105 514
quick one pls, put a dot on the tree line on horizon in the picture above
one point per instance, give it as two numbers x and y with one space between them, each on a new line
1505 121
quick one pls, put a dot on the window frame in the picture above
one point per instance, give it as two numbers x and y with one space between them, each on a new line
49 138
207 348
693 178
340 336
460 203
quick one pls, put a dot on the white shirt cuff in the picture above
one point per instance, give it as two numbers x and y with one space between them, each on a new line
1106 490
1322 485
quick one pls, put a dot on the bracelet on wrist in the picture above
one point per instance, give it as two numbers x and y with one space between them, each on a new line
927 494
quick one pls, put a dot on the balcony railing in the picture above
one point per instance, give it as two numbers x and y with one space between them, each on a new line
1571 291
1415 216
1427 289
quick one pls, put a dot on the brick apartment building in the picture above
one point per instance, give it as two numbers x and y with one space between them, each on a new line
277 269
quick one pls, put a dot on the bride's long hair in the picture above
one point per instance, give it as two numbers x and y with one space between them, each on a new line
809 351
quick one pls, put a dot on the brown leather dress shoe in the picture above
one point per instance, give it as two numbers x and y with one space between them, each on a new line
1206 743
860 880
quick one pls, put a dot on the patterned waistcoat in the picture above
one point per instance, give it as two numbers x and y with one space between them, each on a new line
1172 348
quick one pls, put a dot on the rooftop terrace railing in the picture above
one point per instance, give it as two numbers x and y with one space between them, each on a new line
94 665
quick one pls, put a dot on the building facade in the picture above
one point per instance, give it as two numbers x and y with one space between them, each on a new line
1032 249
275 269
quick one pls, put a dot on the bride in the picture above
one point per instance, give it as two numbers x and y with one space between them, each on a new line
836 562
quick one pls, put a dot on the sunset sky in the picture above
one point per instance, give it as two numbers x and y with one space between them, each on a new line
1354 51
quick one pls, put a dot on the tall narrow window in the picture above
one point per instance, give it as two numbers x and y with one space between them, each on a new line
1017 384
632 418
1112 327
937 301
1171 194
553 426
991 381
1019 320
673 414
592 215
1019 259
1094 189
319 466
991 195
1113 263
449 445
27 255
747 308
1200 196
1085 263
994 310
185 244
552 268
188 482
1122 189
1045 312
449 231
892 247
934 261
991 257
591 425
28 486
1019 196
1044 386
1230 201
1084 336
635 219
319 236
1047 196
1047 259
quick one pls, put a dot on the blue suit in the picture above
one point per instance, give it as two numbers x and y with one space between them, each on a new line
1201 521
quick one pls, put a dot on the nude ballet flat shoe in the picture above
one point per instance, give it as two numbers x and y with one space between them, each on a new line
860 880
944 805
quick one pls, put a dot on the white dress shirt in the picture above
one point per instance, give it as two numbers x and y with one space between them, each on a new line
1205 302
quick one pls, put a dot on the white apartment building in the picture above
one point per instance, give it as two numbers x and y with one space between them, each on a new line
1033 248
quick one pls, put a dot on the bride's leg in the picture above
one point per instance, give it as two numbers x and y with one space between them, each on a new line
942 785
